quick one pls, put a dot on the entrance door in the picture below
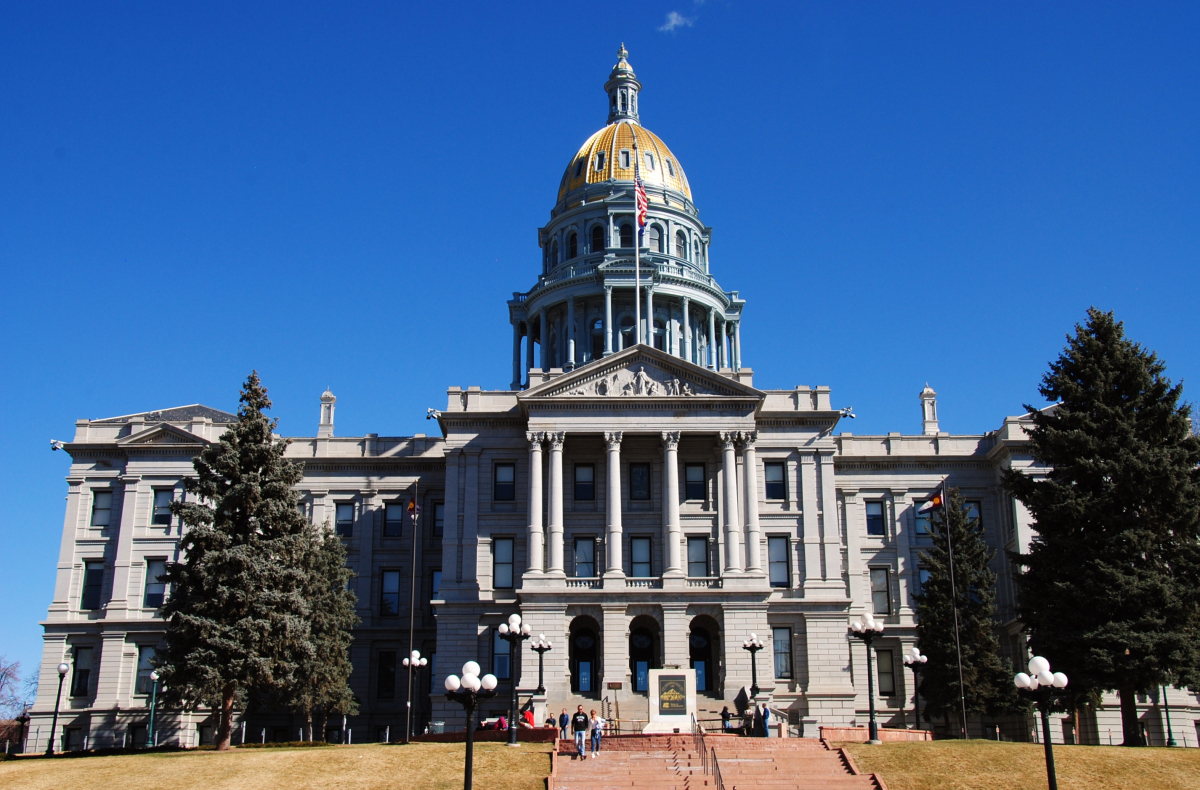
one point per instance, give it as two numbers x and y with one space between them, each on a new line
700 658
583 657
642 656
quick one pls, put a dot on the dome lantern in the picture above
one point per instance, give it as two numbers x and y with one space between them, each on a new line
622 88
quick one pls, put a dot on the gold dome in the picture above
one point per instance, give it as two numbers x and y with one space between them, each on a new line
600 159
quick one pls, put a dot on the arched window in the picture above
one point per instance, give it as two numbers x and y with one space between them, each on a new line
554 252
628 336
572 245
696 251
656 244
680 245
626 235
598 238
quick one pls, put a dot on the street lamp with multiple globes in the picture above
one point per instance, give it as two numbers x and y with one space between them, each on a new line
513 632
154 708
413 661
1040 685
540 646
914 661
866 628
753 644
62 673
467 691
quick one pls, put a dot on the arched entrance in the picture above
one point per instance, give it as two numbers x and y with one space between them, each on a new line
644 643
583 652
703 652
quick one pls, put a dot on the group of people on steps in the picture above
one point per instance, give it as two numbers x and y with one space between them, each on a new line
585 728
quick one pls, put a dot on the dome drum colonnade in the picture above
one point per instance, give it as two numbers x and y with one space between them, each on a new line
573 313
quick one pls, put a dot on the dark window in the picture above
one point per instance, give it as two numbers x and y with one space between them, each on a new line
585 558
389 594
598 238
81 677
155 587
885 668
101 508
777 561
660 336
501 657
579 168
585 482
881 592
640 550
385 687
639 481
782 637
435 585
572 245
144 683
504 485
773 475
656 244
626 235
502 562
875 519
670 168
554 251
162 506
93 580
439 519
974 512
697 558
393 519
345 520
694 481
680 245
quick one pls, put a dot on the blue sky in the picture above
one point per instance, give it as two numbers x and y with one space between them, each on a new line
346 196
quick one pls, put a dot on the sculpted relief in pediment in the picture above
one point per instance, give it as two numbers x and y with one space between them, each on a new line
644 381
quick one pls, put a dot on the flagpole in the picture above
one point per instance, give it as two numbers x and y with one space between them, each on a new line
637 246
962 691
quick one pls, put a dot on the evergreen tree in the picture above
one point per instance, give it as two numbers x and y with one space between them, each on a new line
1110 593
986 677
238 614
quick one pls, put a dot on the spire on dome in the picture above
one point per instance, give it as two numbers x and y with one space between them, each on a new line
622 88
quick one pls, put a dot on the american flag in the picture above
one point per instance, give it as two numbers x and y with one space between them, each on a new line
640 196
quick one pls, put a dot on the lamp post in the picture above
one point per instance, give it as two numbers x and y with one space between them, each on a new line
1039 685
867 628
62 673
414 513
467 692
154 706
914 661
413 661
1167 710
753 644
513 632
540 646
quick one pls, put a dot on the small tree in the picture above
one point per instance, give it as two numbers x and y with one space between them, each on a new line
986 677
238 613
12 702
1110 591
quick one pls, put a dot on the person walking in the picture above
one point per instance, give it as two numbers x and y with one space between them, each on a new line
766 719
579 725
597 727
726 719
563 721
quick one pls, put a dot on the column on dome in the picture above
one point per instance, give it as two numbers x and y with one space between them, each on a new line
649 315
750 504
687 331
570 334
536 535
737 344
612 445
516 378
724 343
607 320
711 362
733 554
544 355
528 346
672 538
556 503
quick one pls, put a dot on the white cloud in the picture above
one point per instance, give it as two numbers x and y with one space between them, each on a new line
676 19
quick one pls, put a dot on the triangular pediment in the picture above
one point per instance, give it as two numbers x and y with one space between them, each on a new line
163 434
642 372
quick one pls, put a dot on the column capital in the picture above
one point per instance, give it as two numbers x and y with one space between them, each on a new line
670 439
747 439
535 439
612 440
608 289
556 439
727 439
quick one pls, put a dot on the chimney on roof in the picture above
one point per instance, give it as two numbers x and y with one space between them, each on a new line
325 429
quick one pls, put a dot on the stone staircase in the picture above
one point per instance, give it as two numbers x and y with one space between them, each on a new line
671 762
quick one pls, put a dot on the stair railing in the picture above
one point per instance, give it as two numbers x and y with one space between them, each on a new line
718 782
699 744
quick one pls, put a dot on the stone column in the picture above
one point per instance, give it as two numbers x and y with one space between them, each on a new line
612 443
544 355
536 535
570 334
607 320
712 339
516 379
556 503
724 343
737 345
528 347
733 554
750 478
904 570
687 331
649 316
671 493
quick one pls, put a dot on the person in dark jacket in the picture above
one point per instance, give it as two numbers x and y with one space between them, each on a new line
579 725
563 721
725 718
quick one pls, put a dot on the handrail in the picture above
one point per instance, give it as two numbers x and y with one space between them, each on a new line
699 744
718 783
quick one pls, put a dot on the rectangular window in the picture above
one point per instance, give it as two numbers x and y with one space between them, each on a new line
975 512
345 519
923 522
504 485
697 557
640 549
501 665
783 652
439 519
875 519
922 579
502 562
385 685
101 508
639 481
93 580
694 481
625 159
886 670
773 475
432 671
435 584
585 558
144 667
81 676
156 588
393 519
162 506
585 482
881 591
777 561
389 594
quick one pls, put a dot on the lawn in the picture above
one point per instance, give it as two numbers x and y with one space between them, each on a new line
987 765
437 766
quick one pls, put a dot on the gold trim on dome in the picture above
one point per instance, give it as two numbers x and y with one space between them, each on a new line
611 140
